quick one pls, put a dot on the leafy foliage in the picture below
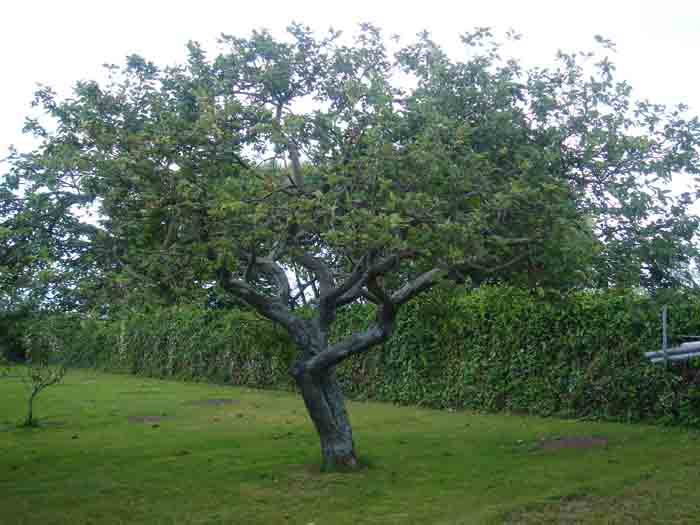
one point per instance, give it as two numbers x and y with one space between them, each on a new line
183 342
12 329
43 247
548 177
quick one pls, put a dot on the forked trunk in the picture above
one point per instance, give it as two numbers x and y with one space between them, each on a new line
324 401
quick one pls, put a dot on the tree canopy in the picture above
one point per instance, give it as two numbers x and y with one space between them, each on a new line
327 171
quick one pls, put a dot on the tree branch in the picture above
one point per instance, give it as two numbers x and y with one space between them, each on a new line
378 333
252 259
377 291
357 277
272 309
269 266
355 285
420 284
352 295
273 269
291 147
317 266
354 344
494 269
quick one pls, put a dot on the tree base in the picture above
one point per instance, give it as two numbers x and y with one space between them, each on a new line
344 463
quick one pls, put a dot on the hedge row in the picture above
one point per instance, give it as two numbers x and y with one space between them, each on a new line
235 347
507 349
493 349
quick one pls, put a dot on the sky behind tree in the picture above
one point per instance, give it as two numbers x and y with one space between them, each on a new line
57 43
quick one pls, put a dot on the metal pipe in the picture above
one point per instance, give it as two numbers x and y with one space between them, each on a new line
677 350
676 357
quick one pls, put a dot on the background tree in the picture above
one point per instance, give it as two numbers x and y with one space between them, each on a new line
43 244
374 176
45 364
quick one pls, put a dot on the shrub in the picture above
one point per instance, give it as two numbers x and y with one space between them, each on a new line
496 348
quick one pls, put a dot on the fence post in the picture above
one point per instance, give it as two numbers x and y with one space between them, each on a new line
664 332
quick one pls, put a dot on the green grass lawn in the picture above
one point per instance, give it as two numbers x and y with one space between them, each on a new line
99 458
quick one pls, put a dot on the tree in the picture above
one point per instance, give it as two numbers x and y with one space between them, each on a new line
45 364
40 239
375 176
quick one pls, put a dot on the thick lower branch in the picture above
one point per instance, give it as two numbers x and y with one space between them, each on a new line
355 344
419 285
387 308
299 329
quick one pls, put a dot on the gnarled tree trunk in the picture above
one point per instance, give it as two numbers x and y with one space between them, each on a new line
326 406
314 371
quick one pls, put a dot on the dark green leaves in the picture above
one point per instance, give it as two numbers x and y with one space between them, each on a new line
551 177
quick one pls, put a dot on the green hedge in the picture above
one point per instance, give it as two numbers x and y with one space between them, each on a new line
186 343
496 348
508 349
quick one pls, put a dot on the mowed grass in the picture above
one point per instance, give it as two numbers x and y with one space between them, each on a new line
99 459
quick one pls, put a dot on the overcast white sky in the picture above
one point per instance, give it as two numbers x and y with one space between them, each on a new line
57 42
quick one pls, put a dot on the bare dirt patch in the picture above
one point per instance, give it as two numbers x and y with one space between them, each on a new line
569 511
147 419
214 402
577 442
